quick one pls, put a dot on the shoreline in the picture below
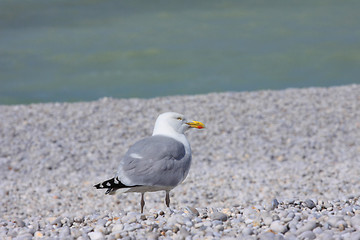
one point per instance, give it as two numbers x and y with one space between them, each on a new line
181 95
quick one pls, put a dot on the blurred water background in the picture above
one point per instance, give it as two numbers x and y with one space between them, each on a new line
67 50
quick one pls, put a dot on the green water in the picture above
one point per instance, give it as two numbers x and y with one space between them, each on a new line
83 50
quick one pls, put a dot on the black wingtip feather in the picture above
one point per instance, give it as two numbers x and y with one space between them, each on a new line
112 185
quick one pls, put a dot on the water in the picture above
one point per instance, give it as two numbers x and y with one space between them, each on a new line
84 50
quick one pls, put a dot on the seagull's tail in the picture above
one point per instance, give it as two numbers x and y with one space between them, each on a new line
111 185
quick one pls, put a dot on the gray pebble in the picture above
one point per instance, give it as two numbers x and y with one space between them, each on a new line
247 231
219 228
290 236
270 236
20 223
334 221
355 222
355 235
75 232
274 203
317 230
79 219
267 220
309 226
101 222
57 222
278 227
193 211
152 236
326 235
219 216
96 235
183 232
182 220
310 203
87 229
26 236
309 235
64 232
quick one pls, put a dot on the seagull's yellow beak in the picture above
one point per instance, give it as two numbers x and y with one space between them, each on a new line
196 124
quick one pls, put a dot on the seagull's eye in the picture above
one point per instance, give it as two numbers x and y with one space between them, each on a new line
179 118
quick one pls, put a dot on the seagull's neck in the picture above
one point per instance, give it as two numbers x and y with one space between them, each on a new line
170 132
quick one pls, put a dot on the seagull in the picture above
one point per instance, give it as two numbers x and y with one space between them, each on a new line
156 163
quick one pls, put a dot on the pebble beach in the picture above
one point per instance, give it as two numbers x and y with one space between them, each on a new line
269 165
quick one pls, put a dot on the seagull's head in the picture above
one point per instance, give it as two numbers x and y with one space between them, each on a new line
171 121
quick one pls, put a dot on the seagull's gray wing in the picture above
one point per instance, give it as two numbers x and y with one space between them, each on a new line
155 161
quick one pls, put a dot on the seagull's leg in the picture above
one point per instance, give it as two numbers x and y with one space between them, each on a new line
142 202
167 199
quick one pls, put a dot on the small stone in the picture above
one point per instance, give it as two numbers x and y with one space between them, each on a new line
267 220
101 222
333 221
348 211
267 236
219 216
183 232
219 228
216 222
172 220
129 219
181 219
131 227
291 215
55 221
355 235
355 222
341 225
38 234
317 230
99 228
175 229
290 236
193 211
276 217
327 234
64 232
108 223
25 236
189 224
278 227
309 226
274 203
78 219
310 203
142 217
67 221
247 231
309 235
152 236
96 235
20 223
75 233
226 211
328 205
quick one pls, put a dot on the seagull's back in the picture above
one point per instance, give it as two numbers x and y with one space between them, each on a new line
155 161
